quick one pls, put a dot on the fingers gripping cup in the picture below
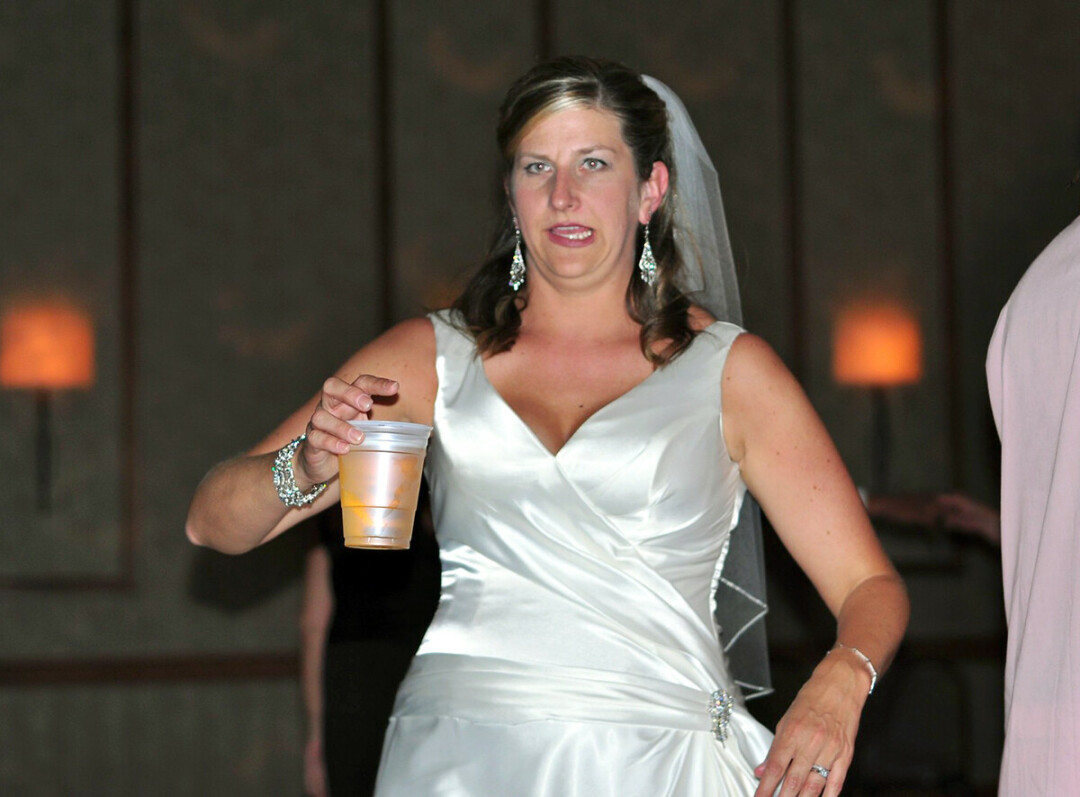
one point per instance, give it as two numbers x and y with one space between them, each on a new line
380 483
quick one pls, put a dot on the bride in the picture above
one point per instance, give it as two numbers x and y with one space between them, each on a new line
598 420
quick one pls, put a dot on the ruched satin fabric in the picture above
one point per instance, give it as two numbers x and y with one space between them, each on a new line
574 649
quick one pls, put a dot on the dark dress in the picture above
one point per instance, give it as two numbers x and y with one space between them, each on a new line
383 603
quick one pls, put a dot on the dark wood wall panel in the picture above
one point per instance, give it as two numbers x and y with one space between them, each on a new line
60 226
259 165
450 65
257 181
1016 104
174 739
255 277
870 214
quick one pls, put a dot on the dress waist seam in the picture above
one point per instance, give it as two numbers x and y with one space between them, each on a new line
507 692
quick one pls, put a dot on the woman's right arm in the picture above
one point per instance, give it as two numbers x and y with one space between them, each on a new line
236 506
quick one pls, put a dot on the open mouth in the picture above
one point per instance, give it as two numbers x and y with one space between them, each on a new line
571 232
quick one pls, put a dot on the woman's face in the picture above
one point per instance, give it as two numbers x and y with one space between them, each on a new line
578 199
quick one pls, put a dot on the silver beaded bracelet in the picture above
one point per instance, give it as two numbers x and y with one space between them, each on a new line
866 660
285 479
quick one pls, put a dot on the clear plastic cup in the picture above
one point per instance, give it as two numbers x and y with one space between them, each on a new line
380 483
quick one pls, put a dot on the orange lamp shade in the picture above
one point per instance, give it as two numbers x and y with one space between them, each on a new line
877 345
46 347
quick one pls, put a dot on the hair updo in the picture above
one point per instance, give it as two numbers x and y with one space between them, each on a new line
490 309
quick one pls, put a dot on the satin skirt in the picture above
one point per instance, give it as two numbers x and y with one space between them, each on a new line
497 728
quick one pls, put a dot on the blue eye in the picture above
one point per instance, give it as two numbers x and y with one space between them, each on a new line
593 164
536 167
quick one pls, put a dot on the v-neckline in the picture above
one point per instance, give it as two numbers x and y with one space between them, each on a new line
625 394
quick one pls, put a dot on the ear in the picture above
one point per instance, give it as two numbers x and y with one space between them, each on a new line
652 191
509 196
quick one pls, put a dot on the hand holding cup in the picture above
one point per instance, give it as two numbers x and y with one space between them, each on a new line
329 433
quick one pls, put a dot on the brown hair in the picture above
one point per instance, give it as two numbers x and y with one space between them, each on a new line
490 310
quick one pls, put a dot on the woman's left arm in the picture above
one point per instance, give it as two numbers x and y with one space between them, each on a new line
794 471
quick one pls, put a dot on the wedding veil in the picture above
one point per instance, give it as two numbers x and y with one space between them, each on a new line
708 279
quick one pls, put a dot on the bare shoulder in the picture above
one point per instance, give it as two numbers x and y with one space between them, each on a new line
404 345
752 364
406 354
758 390
409 339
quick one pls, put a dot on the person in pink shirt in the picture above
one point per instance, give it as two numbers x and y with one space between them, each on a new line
1033 374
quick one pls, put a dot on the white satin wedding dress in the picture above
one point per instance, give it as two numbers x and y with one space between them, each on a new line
574 651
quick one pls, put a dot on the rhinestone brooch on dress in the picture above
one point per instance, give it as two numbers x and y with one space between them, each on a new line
720 704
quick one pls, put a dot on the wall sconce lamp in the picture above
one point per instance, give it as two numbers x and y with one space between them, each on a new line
44 348
877 346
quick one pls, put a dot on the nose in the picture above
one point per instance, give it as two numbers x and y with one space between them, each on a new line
563 191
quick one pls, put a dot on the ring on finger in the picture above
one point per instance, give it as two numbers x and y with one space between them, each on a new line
823 771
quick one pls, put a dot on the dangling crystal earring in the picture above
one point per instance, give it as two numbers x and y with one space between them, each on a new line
517 265
647 264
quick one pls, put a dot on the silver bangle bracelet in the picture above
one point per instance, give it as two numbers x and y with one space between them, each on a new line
866 660
285 480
